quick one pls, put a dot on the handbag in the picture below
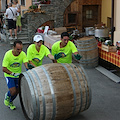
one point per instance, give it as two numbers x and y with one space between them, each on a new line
14 17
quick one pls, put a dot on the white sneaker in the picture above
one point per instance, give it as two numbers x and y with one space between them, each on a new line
10 38
15 37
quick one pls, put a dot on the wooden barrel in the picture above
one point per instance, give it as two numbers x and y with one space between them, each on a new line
87 48
54 91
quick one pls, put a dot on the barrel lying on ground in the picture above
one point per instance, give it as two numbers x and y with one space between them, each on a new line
87 48
54 91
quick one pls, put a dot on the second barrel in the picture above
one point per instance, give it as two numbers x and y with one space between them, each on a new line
87 48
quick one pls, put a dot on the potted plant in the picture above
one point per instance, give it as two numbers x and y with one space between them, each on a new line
33 7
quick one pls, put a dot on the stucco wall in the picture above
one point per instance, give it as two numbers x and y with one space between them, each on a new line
117 21
0 4
27 4
106 10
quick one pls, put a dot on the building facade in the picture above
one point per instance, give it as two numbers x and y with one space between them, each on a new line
58 14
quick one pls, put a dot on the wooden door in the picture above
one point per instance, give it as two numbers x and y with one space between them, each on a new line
90 15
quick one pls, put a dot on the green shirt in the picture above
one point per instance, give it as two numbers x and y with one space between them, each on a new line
14 63
35 56
68 50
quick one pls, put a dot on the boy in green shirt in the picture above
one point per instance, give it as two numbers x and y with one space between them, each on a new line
67 47
12 66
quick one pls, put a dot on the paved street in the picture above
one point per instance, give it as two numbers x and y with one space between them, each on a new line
105 103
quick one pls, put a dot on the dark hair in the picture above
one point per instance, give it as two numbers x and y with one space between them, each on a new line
17 41
64 34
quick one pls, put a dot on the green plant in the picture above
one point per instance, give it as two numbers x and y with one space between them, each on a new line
118 48
71 37
101 39
33 7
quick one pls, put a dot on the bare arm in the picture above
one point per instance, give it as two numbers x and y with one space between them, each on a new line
75 53
52 58
4 69
32 63
26 65
18 10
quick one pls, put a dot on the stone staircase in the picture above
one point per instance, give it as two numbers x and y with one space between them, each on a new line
30 22
23 36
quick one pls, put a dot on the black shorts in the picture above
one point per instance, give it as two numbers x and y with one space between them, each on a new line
11 24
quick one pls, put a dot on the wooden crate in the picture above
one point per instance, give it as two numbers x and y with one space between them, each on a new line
108 48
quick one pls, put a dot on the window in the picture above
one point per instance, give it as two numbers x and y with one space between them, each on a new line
23 2
71 18
89 14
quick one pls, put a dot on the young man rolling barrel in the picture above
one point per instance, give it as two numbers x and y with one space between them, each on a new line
37 51
67 47
12 67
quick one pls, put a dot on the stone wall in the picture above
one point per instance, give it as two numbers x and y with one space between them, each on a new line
56 10
32 21
53 11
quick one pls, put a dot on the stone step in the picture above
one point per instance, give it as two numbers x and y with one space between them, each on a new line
24 29
25 25
22 35
23 41
23 38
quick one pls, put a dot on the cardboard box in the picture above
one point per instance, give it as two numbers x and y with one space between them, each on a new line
60 30
108 48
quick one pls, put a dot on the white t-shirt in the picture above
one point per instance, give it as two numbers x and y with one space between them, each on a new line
9 12
17 7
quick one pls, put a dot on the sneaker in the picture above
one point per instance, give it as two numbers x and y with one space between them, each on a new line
11 106
15 37
7 100
10 38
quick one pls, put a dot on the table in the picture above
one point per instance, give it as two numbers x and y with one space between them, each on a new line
111 57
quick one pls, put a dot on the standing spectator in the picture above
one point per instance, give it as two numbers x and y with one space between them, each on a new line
18 8
67 47
0 24
37 51
10 14
12 67
1 17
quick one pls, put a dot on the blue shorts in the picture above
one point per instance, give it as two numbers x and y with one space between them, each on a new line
12 82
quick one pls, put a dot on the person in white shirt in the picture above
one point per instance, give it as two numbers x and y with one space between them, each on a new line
10 14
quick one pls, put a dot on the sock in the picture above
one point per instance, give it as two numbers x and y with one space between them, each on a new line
8 94
12 98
